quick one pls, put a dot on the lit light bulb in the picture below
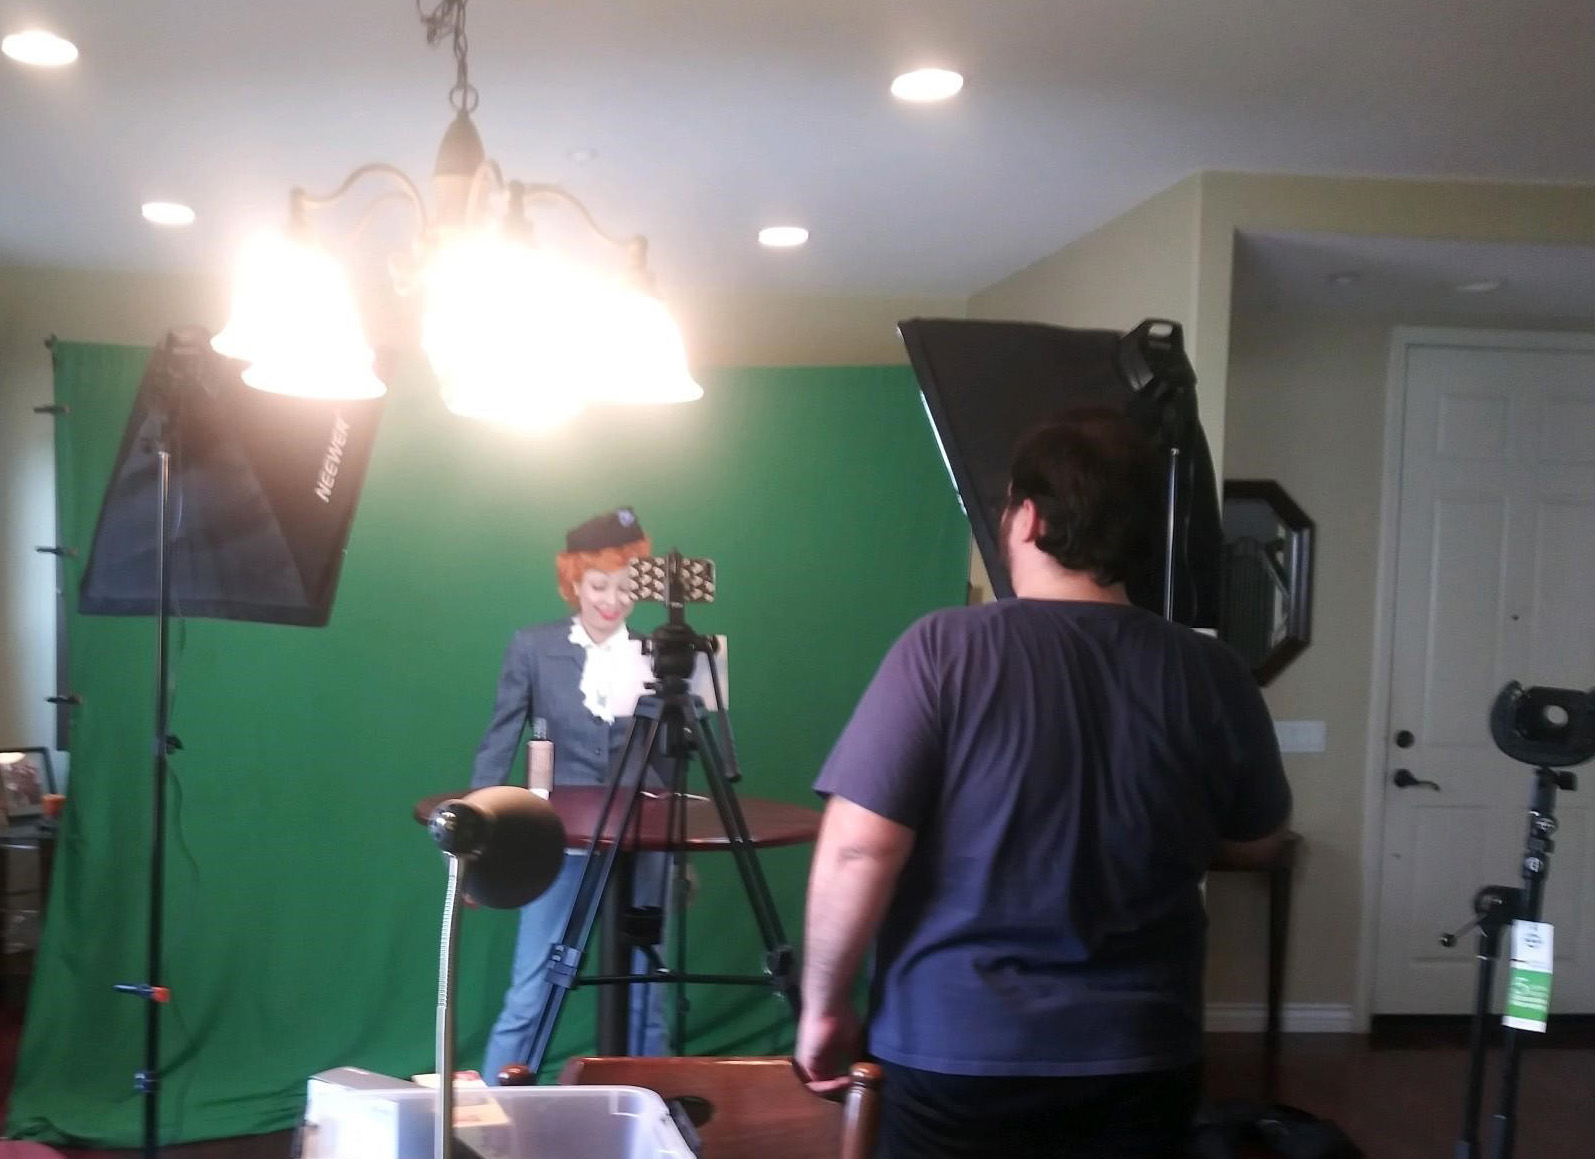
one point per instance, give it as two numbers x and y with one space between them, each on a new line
509 331
39 48
294 319
927 85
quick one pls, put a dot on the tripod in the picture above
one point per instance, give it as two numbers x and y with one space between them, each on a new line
1541 727
671 724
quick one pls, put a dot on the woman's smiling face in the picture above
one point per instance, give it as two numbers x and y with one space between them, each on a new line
603 601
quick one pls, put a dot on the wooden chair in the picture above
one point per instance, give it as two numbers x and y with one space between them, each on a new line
749 1108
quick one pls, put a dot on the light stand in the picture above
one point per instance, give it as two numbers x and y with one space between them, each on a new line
255 542
1495 908
1152 360
1546 728
147 1080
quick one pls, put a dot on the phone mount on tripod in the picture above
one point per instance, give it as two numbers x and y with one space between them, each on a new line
1549 729
668 728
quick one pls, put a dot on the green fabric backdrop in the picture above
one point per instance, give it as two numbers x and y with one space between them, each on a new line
303 903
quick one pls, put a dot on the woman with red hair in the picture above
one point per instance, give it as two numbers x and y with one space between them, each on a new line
566 679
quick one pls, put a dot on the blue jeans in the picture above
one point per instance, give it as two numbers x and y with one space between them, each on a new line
542 923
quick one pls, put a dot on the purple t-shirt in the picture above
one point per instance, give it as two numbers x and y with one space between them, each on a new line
1068 769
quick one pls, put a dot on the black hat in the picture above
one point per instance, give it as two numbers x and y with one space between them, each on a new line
611 529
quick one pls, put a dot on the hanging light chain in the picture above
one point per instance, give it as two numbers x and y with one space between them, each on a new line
447 19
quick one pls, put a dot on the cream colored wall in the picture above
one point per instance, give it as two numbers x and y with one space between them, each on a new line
797 330
1306 407
1307 399
721 329
1139 265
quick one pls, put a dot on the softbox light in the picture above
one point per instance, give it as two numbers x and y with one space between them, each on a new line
264 488
986 384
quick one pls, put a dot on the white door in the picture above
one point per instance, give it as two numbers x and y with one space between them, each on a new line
1495 581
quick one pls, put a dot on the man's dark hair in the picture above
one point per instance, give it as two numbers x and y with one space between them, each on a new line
1094 477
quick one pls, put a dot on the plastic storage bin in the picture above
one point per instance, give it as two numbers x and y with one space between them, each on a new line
500 1123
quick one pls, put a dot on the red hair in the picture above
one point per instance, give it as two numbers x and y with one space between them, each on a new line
570 566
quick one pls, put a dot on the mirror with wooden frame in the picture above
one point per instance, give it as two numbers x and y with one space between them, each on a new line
1266 611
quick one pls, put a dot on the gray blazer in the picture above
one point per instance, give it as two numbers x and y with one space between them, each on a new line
542 677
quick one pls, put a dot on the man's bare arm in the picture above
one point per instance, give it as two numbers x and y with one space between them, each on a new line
856 862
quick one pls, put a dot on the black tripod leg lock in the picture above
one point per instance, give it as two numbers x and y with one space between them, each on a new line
564 963
778 963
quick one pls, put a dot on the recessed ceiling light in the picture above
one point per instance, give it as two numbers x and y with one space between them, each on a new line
167 213
927 84
583 156
1482 286
38 47
783 236
1345 278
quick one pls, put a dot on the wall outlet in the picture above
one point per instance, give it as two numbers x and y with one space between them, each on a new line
1301 736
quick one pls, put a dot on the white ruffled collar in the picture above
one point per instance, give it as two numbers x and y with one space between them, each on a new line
604 666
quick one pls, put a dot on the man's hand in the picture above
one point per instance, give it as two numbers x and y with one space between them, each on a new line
828 1044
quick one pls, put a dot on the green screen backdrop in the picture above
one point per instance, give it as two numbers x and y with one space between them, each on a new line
303 902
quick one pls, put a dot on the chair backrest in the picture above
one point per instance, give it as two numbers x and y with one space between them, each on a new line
750 1106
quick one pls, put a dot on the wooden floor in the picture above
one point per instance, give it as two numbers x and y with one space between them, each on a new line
1406 1103
1396 1103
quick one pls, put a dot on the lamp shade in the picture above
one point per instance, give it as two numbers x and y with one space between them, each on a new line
294 319
510 840
647 360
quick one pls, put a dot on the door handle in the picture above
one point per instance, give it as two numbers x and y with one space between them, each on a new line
1403 779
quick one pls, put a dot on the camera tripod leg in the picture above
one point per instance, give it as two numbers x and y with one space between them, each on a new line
671 715
779 957
615 956
677 888
565 957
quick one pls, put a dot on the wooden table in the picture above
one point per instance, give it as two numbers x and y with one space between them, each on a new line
1279 872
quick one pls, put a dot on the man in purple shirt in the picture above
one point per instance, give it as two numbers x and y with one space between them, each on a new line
1019 816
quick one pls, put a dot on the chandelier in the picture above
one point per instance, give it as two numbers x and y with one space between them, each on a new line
514 331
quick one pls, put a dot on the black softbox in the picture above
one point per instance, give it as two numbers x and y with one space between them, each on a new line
986 384
264 488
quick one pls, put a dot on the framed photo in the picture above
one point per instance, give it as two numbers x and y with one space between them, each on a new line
26 775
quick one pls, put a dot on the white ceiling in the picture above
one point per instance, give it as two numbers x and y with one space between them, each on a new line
711 118
1413 278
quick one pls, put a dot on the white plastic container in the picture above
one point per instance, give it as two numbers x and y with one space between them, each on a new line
501 1123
